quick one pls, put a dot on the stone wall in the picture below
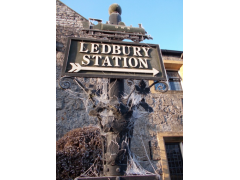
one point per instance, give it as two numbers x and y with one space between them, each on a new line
167 116
71 112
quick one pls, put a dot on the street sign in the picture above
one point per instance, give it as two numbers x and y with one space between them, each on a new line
113 59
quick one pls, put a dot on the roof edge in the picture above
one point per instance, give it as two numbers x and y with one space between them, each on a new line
171 51
73 10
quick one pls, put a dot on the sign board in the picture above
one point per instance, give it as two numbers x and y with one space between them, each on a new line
113 59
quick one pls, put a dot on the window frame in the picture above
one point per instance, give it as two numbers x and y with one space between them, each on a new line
165 137
173 79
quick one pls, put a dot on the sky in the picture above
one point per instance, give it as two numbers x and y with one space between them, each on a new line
162 19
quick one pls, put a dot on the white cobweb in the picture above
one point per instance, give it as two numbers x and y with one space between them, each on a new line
133 166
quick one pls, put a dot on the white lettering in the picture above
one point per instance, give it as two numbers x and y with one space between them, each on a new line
125 62
146 51
130 62
86 59
116 60
136 50
106 60
96 59
81 47
124 52
94 48
141 62
104 48
116 49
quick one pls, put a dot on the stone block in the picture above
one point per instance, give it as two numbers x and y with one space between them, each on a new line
59 104
155 154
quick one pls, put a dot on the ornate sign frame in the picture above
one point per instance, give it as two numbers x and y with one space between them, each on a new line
72 67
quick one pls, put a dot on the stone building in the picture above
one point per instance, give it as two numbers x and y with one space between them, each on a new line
160 134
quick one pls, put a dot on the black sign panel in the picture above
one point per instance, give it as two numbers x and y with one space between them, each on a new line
113 59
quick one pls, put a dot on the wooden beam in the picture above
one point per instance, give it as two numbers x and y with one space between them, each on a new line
172 61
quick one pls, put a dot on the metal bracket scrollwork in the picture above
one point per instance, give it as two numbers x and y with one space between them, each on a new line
130 82
65 84
162 86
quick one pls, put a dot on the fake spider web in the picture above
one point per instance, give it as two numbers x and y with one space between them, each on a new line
133 99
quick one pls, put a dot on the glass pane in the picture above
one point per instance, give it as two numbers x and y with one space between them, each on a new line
175 161
175 85
173 74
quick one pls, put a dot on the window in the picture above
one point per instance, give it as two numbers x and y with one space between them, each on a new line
174 82
175 161
171 149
